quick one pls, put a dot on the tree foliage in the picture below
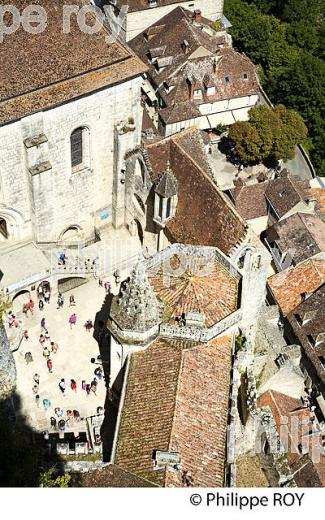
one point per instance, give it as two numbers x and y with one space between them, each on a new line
51 479
270 132
285 39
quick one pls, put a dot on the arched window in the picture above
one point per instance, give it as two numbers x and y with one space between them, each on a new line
140 171
79 148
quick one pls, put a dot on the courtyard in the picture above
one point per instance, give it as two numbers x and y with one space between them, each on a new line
76 347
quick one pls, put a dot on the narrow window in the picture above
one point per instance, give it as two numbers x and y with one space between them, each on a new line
76 147
168 210
161 207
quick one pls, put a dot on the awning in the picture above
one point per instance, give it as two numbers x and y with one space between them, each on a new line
321 404
241 114
222 118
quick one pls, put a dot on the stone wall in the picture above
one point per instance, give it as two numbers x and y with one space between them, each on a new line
44 203
138 21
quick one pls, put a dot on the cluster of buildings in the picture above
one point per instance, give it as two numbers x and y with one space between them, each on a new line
219 327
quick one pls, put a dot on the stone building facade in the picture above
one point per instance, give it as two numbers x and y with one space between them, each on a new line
141 14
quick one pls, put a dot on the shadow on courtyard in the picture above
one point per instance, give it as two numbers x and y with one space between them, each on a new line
25 455
103 338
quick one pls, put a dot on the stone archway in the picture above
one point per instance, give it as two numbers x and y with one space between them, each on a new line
11 224
20 299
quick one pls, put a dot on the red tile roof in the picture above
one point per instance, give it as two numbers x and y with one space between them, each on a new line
204 215
177 400
288 286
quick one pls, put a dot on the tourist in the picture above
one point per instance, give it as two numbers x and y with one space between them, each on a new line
47 296
41 305
58 412
117 276
40 292
28 358
46 404
37 398
43 325
31 306
49 365
62 386
46 353
88 325
93 386
76 415
83 385
53 422
54 347
88 389
11 319
47 336
25 335
98 372
107 287
70 415
71 301
100 282
36 378
73 385
41 340
72 320
61 425
25 309
35 389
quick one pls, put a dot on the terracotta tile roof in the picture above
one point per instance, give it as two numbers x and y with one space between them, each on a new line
250 201
300 234
40 71
203 287
204 215
306 472
191 50
177 400
285 192
109 476
289 285
311 332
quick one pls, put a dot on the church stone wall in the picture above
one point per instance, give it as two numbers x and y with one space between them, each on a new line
56 198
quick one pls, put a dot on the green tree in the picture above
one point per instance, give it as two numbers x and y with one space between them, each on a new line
4 305
51 479
270 132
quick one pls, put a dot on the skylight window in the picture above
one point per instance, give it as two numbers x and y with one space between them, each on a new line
245 75
227 79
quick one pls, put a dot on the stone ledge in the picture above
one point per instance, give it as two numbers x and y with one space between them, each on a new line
40 168
30 142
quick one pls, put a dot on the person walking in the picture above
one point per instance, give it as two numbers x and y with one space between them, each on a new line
41 340
25 309
46 404
49 365
93 386
53 422
31 306
88 325
72 320
54 347
37 399
36 378
72 301
35 389
46 353
98 373
47 336
28 358
62 386
25 335
58 412
88 389
61 425
47 296
43 324
41 305
73 385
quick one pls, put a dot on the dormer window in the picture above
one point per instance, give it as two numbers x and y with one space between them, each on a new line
245 75
311 340
299 319
152 3
227 79
166 86
211 90
197 93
